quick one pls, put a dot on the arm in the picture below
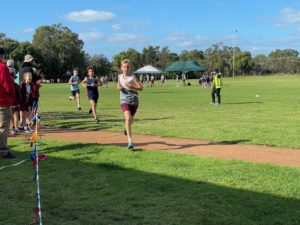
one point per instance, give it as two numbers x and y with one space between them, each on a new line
7 81
136 84
84 83
118 84
99 82
70 81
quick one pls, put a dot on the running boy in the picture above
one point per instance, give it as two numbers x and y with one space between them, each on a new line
75 92
128 85
91 83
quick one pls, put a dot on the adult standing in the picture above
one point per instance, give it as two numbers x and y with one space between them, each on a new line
128 85
184 78
27 66
216 88
7 98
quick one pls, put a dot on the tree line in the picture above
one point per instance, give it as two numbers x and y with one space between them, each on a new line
57 50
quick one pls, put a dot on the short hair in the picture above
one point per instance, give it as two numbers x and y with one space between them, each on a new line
10 63
125 61
26 74
90 68
75 69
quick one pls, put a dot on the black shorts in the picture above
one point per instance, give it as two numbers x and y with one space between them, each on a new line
92 95
73 93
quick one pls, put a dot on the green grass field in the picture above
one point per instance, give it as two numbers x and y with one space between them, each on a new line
96 184
88 184
270 119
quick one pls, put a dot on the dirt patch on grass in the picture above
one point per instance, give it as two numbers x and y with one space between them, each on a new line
228 150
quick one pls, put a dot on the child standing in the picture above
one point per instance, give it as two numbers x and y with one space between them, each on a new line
91 83
128 85
26 101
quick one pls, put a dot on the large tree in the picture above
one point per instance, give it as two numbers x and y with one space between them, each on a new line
60 48
101 65
131 54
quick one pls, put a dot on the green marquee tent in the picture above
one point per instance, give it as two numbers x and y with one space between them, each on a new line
185 66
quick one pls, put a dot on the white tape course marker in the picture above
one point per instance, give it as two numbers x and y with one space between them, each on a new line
13 164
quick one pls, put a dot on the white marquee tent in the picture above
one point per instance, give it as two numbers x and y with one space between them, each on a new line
148 69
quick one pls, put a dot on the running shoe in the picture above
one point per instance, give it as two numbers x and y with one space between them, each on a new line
130 145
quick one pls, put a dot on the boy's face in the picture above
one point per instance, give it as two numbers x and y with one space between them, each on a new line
75 72
90 72
28 78
125 67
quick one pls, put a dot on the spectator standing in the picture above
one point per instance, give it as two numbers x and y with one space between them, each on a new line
7 98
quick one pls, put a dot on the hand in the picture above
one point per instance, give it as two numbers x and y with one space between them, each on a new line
128 85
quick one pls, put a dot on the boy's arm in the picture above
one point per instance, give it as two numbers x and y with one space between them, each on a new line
70 80
84 83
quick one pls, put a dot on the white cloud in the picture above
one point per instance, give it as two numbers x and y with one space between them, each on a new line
184 40
177 36
28 30
92 35
124 37
89 15
288 16
116 27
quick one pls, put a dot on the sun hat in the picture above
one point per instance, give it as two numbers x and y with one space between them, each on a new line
28 58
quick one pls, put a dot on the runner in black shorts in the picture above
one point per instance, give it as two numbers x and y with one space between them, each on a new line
91 83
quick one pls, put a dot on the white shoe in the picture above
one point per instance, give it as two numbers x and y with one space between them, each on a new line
27 130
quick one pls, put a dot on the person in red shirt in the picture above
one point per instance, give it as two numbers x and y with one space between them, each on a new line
7 98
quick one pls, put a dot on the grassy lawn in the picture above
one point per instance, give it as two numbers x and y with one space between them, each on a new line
96 184
270 119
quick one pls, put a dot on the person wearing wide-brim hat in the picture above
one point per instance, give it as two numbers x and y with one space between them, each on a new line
27 66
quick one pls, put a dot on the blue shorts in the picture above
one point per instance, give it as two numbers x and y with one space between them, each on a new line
73 93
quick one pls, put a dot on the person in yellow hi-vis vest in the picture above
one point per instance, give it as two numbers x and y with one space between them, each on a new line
216 88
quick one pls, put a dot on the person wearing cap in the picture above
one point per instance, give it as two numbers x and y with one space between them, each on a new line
216 87
7 98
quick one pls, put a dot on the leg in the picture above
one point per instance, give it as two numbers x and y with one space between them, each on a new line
128 122
218 91
213 91
94 105
5 116
16 119
78 100
23 118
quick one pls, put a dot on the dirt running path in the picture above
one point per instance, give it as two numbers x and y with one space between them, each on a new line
252 153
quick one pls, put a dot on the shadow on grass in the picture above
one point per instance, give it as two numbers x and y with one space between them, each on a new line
82 191
241 103
80 120
184 146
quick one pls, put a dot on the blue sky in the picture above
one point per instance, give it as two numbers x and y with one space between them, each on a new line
108 27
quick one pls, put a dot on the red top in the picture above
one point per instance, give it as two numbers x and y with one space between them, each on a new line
7 88
35 90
